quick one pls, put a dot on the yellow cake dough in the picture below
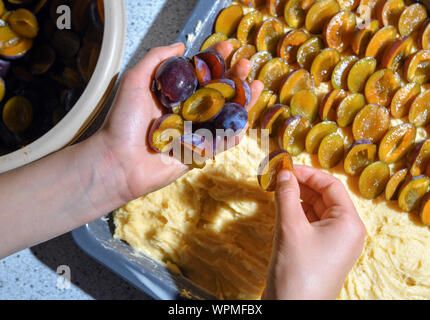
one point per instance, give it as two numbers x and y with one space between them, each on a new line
215 225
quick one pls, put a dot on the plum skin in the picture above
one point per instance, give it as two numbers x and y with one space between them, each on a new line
175 81
233 116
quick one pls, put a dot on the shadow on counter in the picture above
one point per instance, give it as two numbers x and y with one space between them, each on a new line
87 274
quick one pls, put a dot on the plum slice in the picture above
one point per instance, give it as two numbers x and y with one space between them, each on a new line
248 26
259 107
305 103
228 20
339 30
362 37
233 118
412 192
295 12
381 40
339 77
268 35
8 37
203 105
359 74
418 158
323 65
271 166
258 60
419 113
243 92
175 80
290 43
274 117
317 134
394 184
215 63
24 23
373 180
203 72
361 154
320 14
275 7
424 213
17 51
412 18
389 12
381 87
348 109
403 98
212 39
331 150
164 131
371 123
292 135
425 35
273 73
417 67
296 81
308 51
330 103
18 114
397 142
273 100
395 54
227 87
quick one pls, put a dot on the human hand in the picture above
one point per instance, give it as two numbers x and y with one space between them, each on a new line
317 241
124 134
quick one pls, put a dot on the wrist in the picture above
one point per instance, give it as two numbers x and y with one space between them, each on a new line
102 178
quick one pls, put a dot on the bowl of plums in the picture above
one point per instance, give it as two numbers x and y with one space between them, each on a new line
59 60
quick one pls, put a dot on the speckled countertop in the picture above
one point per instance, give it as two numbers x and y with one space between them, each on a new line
31 273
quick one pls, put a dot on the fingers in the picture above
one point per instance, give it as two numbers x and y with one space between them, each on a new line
289 208
332 191
153 58
256 88
313 198
240 69
224 48
310 213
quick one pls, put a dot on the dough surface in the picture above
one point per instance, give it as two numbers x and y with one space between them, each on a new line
215 225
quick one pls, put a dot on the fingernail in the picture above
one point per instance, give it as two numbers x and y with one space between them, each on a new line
284 175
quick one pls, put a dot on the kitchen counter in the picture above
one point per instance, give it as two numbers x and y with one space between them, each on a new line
32 273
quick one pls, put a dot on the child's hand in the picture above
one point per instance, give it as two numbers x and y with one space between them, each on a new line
317 241
125 131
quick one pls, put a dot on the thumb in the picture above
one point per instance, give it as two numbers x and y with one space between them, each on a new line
288 204
156 56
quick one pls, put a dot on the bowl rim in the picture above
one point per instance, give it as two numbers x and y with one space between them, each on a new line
89 104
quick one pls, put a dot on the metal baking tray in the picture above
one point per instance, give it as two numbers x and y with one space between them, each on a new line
96 237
